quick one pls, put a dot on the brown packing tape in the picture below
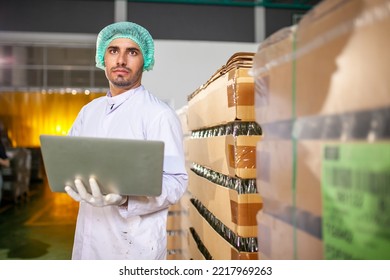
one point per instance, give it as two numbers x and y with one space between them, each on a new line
217 198
244 214
217 153
242 156
235 255
242 95
240 92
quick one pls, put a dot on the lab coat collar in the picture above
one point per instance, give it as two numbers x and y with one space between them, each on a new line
115 101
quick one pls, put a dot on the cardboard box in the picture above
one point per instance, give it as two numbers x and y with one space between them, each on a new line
332 206
325 65
229 155
173 221
218 247
275 174
356 199
185 204
279 240
272 69
175 207
227 96
325 147
183 117
174 240
349 40
185 224
175 256
194 251
290 224
236 211
186 152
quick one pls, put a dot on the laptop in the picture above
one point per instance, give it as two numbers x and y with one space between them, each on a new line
122 166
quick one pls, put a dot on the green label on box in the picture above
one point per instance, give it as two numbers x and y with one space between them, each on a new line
356 201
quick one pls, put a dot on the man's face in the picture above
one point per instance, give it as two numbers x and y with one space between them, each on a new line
124 65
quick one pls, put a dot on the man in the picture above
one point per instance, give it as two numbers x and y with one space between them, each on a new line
127 227
4 162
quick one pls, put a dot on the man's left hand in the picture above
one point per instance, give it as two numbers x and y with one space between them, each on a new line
96 198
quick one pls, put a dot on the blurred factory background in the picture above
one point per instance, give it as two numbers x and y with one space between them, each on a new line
284 106
47 50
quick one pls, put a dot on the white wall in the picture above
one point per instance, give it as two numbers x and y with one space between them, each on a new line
183 66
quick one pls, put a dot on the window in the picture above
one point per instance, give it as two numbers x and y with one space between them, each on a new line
49 67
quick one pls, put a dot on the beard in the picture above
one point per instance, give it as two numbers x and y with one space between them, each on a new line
122 82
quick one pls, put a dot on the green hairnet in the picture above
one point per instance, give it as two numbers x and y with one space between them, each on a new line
129 30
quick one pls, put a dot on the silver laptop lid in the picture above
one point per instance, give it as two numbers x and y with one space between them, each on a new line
123 166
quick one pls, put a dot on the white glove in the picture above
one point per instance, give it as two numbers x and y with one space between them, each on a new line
96 198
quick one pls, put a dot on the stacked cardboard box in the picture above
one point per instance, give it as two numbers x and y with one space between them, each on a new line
175 233
322 96
223 198
177 223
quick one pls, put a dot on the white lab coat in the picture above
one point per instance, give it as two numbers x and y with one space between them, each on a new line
138 232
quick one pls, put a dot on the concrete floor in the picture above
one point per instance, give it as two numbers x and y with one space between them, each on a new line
38 228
